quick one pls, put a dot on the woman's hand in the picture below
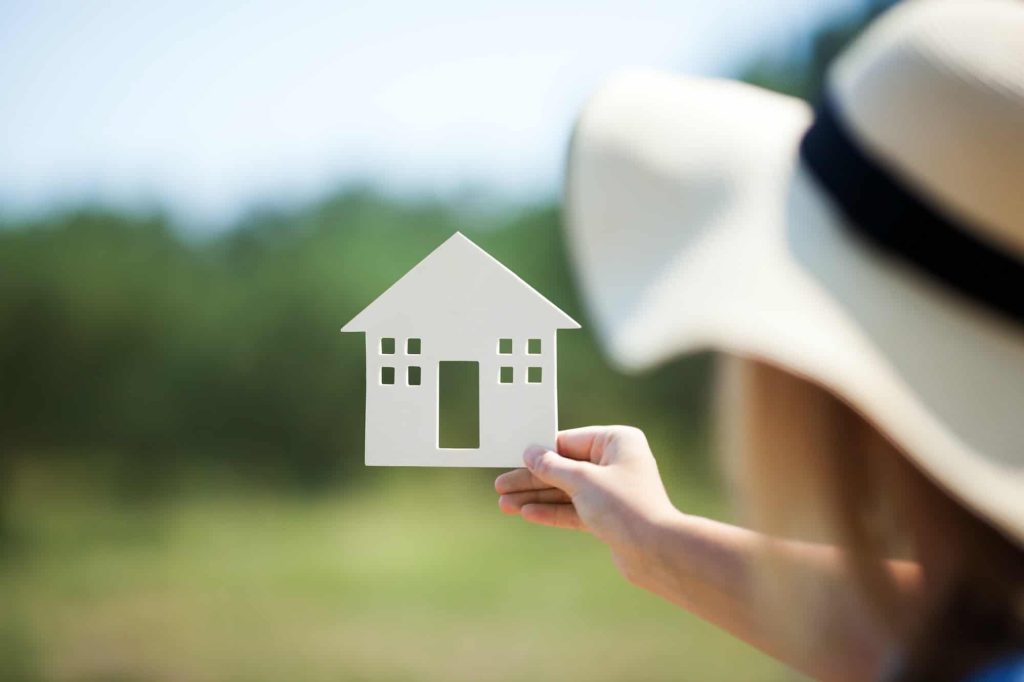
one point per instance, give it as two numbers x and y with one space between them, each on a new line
602 480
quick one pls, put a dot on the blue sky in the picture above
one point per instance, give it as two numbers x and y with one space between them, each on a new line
206 108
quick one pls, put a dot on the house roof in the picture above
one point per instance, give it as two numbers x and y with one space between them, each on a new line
457 284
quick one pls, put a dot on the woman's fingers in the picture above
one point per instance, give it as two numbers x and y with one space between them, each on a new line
571 444
518 480
512 503
579 443
558 471
558 515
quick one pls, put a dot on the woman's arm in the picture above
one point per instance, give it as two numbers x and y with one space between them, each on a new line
605 481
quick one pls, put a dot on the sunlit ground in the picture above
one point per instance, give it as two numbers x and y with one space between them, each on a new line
416 576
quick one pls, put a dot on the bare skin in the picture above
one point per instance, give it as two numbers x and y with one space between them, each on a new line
604 480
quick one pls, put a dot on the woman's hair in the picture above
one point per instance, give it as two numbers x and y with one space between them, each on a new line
806 466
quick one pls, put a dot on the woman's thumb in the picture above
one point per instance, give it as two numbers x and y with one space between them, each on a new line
552 468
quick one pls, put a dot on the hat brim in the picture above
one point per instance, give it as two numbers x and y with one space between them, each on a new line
692 225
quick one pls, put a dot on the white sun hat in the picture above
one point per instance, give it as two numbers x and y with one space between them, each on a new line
875 248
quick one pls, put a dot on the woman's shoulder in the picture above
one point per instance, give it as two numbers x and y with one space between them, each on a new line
1009 669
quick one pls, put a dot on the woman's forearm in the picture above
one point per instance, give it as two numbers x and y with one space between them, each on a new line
604 480
706 567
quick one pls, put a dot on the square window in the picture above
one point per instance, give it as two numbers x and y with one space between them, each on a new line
505 375
505 346
413 347
387 346
533 346
387 375
413 376
533 375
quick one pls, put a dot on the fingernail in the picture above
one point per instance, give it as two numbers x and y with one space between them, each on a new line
532 454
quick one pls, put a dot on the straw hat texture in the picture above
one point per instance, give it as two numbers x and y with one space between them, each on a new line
874 246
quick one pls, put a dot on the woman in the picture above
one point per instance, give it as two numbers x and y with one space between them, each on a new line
863 274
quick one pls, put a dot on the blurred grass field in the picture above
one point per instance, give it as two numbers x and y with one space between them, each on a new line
413 576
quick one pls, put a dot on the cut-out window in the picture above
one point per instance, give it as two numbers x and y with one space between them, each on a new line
533 375
458 404
413 346
413 376
387 346
505 375
505 346
387 375
533 346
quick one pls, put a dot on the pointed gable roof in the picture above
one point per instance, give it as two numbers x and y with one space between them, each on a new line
456 282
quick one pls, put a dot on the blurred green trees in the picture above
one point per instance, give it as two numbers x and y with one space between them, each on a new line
125 341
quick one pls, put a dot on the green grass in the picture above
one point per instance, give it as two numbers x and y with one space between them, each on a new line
415 576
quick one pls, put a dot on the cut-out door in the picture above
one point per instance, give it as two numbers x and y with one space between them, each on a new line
458 404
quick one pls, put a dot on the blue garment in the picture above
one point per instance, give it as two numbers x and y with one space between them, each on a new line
1008 670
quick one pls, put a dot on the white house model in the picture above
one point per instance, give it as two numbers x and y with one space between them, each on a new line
459 312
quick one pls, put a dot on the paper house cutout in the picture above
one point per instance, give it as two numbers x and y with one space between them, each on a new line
459 305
